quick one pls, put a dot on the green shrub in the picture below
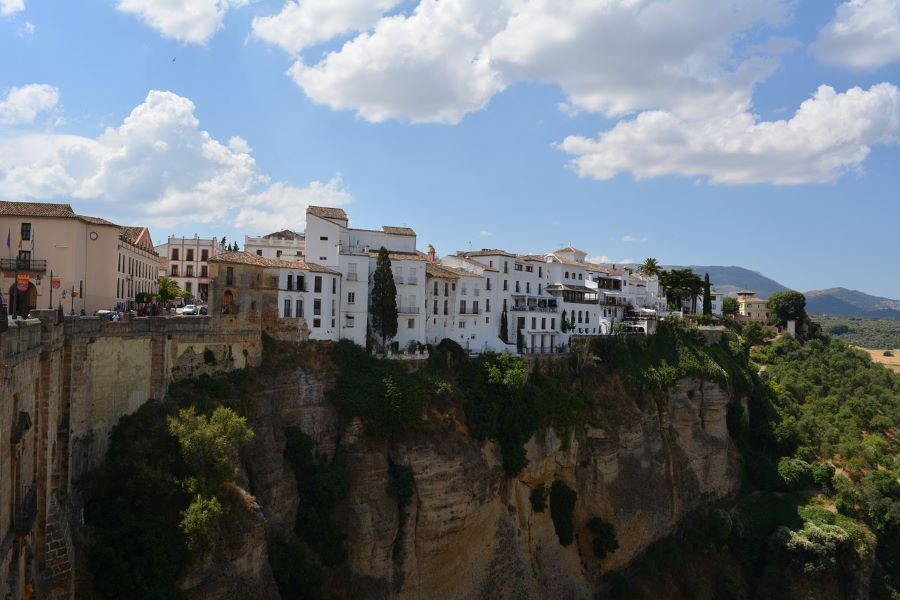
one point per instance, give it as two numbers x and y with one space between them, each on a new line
201 522
539 498
795 473
605 541
562 510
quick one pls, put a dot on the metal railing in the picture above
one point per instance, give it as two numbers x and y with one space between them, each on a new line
23 264
351 277
408 310
534 308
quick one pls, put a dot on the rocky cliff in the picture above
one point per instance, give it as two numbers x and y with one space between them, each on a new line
470 531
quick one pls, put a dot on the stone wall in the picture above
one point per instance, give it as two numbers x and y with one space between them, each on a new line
64 383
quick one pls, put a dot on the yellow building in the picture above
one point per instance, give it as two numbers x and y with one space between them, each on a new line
94 263
754 309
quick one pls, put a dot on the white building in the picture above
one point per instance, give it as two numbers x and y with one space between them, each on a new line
284 244
352 252
188 263
138 266
310 291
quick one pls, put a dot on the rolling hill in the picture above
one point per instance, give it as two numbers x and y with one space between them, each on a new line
728 280
841 301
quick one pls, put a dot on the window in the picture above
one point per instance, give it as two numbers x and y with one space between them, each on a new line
204 271
290 281
580 276
317 284
26 231
190 254
323 258
462 307
334 285
518 267
351 271
534 322
453 286
301 283
552 323
317 307
317 323
259 252
518 288
229 276
351 297
435 307
529 269
435 288
187 287
487 320
487 305
298 305
174 253
462 324
504 305
475 307
488 285
287 307
204 255
446 289
323 238
175 270
505 285
505 267
445 307
411 323
349 321
540 271
527 287
189 271
539 289
543 322
332 310
566 275
278 254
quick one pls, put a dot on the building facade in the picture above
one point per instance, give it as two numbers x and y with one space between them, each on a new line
56 257
285 244
188 263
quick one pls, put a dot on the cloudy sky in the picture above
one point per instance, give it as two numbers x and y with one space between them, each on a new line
759 133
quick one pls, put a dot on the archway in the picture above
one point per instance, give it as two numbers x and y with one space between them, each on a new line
25 302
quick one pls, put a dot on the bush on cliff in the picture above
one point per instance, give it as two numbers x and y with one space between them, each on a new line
562 511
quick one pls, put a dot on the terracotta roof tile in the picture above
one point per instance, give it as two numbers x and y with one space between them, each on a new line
35 209
95 220
245 258
436 270
284 234
327 212
395 255
397 230
490 252
475 263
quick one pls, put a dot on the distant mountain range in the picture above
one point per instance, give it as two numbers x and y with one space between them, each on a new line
833 301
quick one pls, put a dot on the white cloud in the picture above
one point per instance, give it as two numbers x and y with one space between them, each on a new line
631 239
188 21
864 34
24 104
485 233
448 58
828 135
301 24
627 238
284 206
157 167
8 7
425 67
26 30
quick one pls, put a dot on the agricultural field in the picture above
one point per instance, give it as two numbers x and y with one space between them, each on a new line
877 334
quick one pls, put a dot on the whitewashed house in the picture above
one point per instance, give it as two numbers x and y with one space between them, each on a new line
284 245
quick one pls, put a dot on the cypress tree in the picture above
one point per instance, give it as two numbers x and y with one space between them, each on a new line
707 300
384 298
504 328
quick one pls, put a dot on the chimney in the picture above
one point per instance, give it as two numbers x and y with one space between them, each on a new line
432 255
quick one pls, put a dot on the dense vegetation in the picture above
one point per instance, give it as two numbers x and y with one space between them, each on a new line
158 498
863 331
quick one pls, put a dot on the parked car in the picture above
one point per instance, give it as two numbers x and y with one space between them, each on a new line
203 310
191 309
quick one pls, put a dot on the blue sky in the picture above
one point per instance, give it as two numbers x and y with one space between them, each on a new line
664 129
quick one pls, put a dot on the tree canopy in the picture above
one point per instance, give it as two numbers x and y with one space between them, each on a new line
787 306
168 289
650 267
384 298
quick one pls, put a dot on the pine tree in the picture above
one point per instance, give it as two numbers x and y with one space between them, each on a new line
707 298
384 298
504 328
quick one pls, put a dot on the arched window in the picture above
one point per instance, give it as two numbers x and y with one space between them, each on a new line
228 306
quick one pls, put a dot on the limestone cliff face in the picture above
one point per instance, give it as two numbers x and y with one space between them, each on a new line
470 531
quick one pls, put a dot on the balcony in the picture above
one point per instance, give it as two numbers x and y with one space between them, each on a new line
26 511
351 277
398 279
25 265
408 310
412 280
534 308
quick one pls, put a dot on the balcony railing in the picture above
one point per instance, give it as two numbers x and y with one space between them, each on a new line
408 310
32 265
534 308
411 280
351 276
26 511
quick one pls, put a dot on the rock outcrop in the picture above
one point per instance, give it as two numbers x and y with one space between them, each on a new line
470 531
